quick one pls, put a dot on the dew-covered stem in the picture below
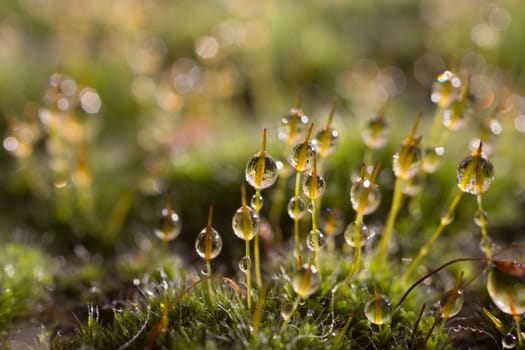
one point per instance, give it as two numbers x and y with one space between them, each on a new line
248 276
292 311
397 199
296 229
316 237
483 226
445 220
356 262
256 249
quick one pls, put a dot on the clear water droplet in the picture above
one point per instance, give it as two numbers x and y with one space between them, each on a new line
261 171
326 141
376 134
208 246
350 235
407 161
245 223
302 157
365 196
204 272
432 159
475 174
315 240
169 225
287 311
314 186
296 208
456 303
293 126
245 264
509 341
332 222
310 207
306 281
478 217
379 310
446 89
302 302
253 201
455 116
506 286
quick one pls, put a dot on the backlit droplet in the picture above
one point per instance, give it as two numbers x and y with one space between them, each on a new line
287 311
208 246
314 186
509 341
306 281
301 157
411 187
379 310
296 208
253 201
454 117
475 174
293 125
245 264
350 235
506 286
332 222
169 225
365 196
261 171
245 223
315 240
326 141
478 217
432 159
451 305
407 161
446 89
376 134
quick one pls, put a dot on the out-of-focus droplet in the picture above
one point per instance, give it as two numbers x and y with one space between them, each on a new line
293 125
332 222
365 196
296 208
351 235
376 134
432 159
379 310
306 281
326 141
506 286
169 225
315 240
446 89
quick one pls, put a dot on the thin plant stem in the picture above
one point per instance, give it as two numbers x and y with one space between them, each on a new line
256 249
248 276
316 238
210 290
356 262
445 220
517 320
297 249
397 200
287 320
483 225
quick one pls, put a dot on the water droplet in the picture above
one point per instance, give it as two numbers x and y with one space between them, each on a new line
261 171
454 117
314 186
204 272
293 125
245 223
475 174
407 161
310 207
309 313
245 264
350 235
302 302
332 221
506 286
478 217
302 156
483 246
376 134
365 196
451 304
208 244
296 208
447 218
411 187
287 311
509 341
306 281
446 89
379 310
315 240
326 141
432 159
253 201
169 225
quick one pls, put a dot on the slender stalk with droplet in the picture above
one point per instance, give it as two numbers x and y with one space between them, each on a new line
208 246
406 167
483 226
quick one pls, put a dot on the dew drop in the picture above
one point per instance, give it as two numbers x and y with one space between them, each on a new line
169 225
287 311
302 302
506 286
245 223
315 240
475 174
350 235
208 246
261 171
478 217
376 134
447 218
379 310
310 207
296 208
446 89
293 125
332 221
432 159
253 201
365 196
309 313
314 186
204 272
301 157
407 161
455 301
245 264
454 117
411 187
306 281
509 341
326 141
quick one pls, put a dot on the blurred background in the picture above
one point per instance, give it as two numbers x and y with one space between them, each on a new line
108 106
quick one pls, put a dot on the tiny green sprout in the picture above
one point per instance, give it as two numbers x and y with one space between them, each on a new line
379 310
454 116
170 225
293 125
475 173
446 89
326 140
376 133
407 160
